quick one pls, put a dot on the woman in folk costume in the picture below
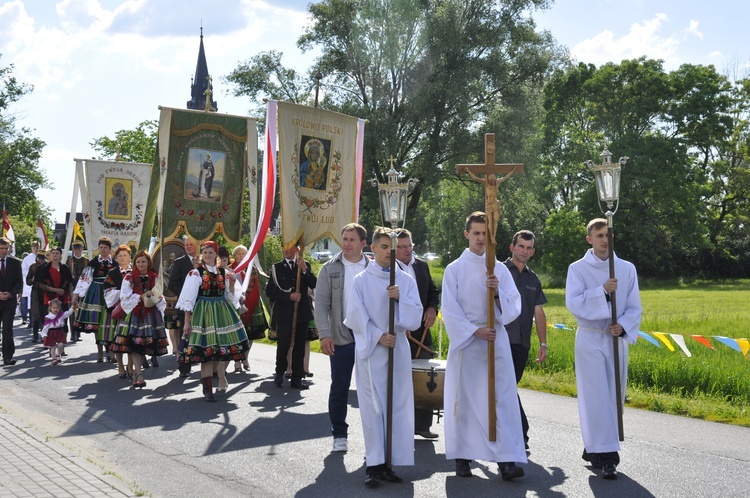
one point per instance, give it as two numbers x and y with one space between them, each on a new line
254 319
142 329
88 296
111 286
213 328
53 281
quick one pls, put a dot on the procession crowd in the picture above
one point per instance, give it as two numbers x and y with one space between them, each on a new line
368 320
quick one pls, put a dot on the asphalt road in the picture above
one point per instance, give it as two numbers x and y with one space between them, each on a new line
258 440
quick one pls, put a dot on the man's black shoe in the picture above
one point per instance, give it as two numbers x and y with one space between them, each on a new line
278 380
609 471
390 476
509 470
298 384
372 481
593 459
9 362
463 467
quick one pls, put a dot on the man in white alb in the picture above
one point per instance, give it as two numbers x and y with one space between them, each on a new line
466 402
367 315
588 292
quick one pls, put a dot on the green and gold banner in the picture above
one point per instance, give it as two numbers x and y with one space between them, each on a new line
202 161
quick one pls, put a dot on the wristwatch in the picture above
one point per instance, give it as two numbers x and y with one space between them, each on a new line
543 345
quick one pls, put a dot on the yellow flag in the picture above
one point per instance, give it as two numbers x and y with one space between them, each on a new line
77 232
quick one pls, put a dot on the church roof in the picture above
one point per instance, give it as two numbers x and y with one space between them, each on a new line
201 82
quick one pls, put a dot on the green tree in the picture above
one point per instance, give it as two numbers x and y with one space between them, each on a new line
19 150
425 74
138 145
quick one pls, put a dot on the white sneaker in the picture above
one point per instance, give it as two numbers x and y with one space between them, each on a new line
339 444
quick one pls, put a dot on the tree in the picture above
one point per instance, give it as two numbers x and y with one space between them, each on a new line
425 74
138 145
19 150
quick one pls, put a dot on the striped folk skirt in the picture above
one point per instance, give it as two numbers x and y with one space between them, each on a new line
216 332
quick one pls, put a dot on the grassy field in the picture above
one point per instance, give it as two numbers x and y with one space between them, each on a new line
712 385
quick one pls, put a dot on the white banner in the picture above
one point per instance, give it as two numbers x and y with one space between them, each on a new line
319 172
117 193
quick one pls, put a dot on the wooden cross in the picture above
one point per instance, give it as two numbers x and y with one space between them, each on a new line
492 213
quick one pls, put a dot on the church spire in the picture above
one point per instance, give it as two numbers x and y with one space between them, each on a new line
201 85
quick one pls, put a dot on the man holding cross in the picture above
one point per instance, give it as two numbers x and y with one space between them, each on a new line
466 402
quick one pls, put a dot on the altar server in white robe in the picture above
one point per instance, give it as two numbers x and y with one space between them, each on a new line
367 316
464 312
588 293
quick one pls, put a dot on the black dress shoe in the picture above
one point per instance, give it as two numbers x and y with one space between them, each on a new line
372 481
278 381
9 362
509 470
609 471
593 459
389 476
463 467
298 384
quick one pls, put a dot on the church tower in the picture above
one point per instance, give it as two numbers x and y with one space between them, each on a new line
201 84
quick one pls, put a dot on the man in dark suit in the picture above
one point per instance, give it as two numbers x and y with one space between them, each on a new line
281 289
430 297
11 284
177 275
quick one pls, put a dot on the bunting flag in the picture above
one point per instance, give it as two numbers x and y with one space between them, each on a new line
744 346
649 339
77 235
703 341
41 234
114 200
7 229
200 169
268 191
663 338
677 338
728 341
320 172
559 326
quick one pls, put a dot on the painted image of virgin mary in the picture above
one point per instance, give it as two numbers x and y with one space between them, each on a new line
118 203
313 171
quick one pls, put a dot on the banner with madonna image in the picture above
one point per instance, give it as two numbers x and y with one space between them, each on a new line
114 195
202 159
320 172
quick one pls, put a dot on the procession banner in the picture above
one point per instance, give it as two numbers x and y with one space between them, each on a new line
116 194
201 162
320 172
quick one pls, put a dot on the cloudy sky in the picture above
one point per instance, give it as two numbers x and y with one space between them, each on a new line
98 66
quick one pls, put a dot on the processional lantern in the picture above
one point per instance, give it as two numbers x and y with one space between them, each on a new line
607 176
393 197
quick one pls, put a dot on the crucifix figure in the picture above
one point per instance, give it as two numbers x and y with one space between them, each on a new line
492 214
490 182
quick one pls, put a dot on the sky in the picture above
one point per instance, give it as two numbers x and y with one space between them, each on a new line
99 66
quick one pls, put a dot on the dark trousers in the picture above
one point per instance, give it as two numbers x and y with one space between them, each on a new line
520 357
342 366
422 418
298 353
7 313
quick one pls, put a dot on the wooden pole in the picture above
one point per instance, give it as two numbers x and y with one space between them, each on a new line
297 289
490 262
615 340
391 331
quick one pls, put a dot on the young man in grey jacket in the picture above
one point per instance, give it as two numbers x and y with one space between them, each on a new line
336 340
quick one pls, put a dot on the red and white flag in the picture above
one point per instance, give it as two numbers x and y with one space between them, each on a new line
41 234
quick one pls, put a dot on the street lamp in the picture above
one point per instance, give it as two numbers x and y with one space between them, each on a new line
393 197
607 177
